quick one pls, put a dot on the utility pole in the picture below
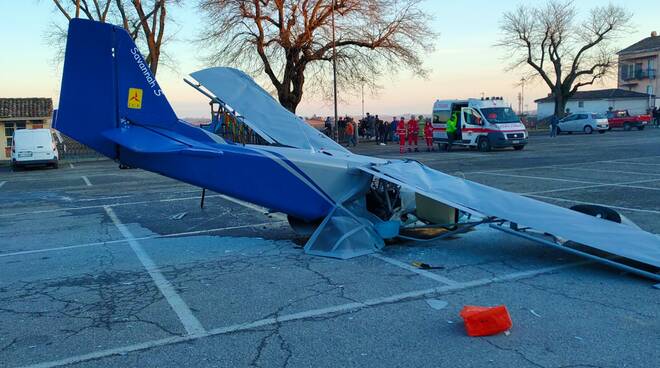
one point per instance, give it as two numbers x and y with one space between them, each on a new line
362 80
522 95
77 8
334 68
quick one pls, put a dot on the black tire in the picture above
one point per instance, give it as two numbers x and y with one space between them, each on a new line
588 129
55 165
598 211
602 131
442 146
627 127
519 148
483 144
640 127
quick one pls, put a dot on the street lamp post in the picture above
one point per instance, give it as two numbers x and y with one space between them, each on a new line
522 95
334 69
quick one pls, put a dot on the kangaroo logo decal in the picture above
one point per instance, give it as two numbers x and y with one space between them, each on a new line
134 98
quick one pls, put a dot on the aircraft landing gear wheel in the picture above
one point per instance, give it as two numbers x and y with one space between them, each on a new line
483 144
588 129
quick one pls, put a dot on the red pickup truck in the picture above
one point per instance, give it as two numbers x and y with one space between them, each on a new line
623 119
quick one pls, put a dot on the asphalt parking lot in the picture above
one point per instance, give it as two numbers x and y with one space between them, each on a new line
108 267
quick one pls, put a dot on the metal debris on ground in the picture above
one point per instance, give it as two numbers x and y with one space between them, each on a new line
178 216
436 304
426 266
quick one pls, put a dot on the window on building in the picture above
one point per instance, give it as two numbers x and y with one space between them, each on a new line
10 126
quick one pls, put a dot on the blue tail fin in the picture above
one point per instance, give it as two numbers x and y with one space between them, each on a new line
105 81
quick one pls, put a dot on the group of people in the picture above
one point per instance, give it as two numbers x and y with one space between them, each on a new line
371 127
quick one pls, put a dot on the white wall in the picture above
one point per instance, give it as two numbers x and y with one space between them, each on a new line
635 106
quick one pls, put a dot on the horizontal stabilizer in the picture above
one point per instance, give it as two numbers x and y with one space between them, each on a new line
142 140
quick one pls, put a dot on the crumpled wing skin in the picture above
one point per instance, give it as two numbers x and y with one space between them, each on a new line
622 240
261 111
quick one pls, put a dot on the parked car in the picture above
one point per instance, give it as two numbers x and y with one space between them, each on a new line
33 147
623 119
583 122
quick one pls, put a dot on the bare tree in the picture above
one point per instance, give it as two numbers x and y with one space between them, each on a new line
564 52
144 23
291 40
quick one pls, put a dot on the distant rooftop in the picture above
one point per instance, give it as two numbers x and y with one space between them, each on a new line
32 107
600 94
646 45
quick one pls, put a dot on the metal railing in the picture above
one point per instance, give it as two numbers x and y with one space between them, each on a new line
639 74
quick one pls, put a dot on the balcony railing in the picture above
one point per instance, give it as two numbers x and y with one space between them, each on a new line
639 74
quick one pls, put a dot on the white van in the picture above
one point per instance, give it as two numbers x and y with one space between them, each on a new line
33 147
484 124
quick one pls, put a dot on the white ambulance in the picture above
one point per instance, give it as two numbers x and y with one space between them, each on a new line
483 123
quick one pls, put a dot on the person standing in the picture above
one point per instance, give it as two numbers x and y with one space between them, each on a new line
656 116
420 128
451 130
401 131
393 125
386 132
554 122
428 135
350 134
413 132
328 127
380 127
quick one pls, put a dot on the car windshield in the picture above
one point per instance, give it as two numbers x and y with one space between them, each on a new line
598 116
500 115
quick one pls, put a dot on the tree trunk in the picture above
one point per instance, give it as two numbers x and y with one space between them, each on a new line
561 99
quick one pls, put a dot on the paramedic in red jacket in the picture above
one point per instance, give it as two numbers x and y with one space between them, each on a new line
428 135
413 132
401 131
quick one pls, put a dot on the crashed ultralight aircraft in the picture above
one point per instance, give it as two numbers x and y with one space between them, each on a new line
111 102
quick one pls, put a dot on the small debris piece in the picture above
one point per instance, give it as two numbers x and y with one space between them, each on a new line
534 313
178 216
426 266
436 304
578 338
485 321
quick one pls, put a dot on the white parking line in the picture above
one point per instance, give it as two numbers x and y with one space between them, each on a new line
119 241
405 266
189 321
560 166
536 177
86 180
106 205
412 295
594 204
623 185
611 171
251 206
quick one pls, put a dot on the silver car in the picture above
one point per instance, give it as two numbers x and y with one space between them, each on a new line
583 122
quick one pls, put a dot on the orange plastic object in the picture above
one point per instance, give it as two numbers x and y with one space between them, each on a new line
485 321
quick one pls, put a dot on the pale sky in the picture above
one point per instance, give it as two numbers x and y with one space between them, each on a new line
465 62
